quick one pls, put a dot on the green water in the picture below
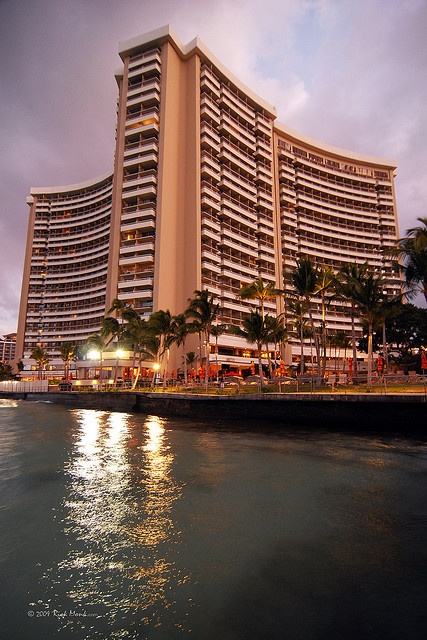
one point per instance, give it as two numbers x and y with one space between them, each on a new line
126 526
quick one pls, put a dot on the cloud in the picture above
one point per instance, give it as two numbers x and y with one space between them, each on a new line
353 74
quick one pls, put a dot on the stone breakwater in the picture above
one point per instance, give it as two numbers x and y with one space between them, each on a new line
405 414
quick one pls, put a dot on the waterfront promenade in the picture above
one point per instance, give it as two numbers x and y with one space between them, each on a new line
397 412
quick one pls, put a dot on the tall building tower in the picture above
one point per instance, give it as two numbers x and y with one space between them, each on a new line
193 183
207 192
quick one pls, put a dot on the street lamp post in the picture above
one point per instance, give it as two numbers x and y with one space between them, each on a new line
119 354
96 355
156 367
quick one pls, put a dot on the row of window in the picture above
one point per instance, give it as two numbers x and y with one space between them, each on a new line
345 167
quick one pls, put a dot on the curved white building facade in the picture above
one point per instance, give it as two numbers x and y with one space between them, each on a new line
207 191
336 207
65 273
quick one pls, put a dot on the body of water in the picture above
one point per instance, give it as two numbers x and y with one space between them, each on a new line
115 525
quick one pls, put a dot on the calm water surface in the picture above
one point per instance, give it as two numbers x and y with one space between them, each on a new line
126 526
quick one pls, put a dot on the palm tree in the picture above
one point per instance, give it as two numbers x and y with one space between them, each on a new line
41 357
116 325
111 328
304 279
325 282
260 291
112 331
117 305
115 328
216 331
190 359
204 311
137 333
275 333
349 275
339 340
368 295
6 372
343 342
161 326
299 308
253 330
181 329
413 251
97 342
387 310
68 354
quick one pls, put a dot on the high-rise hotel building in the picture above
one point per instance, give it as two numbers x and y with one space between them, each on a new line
207 191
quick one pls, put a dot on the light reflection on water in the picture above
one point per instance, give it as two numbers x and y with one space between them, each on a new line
118 514
156 529
5 403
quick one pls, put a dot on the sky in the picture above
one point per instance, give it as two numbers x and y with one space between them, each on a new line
351 74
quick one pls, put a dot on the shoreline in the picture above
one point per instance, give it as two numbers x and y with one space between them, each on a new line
402 413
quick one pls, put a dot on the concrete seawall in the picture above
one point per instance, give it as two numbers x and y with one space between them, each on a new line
403 413
399 413
110 401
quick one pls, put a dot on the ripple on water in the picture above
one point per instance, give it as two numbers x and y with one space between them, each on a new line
157 530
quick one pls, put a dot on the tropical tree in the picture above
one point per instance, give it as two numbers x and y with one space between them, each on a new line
161 326
203 311
138 335
406 333
298 309
181 330
304 279
112 329
98 342
407 328
81 350
258 290
115 326
190 359
68 354
338 341
324 283
216 331
349 275
275 334
41 357
118 306
412 250
253 330
368 295
387 309
6 371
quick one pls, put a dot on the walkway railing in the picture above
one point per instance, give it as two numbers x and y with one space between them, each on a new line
30 386
304 384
